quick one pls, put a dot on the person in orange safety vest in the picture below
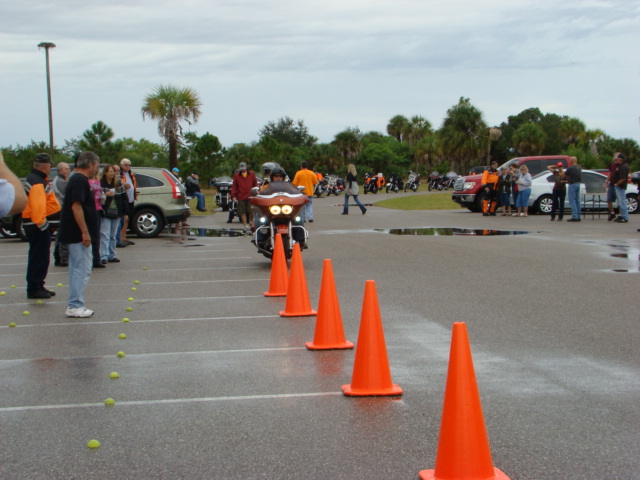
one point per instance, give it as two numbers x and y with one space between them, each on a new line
489 183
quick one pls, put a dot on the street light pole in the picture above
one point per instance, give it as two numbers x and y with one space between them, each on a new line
47 46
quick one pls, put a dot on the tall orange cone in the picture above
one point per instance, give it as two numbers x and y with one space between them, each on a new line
279 276
463 447
329 334
298 304
371 373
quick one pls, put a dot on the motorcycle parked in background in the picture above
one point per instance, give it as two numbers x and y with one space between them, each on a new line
223 197
335 185
278 211
434 181
413 182
447 181
395 183
373 182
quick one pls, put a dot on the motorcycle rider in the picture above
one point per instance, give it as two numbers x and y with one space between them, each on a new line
279 175
489 183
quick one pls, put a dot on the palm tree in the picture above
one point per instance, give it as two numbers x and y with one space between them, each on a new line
463 135
349 143
572 130
99 140
529 139
170 105
397 127
416 129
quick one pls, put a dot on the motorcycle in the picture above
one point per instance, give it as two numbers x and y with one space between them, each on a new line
395 183
447 181
434 181
373 182
413 182
223 197
277 210
335 185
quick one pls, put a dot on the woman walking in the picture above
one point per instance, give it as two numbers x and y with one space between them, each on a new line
352 189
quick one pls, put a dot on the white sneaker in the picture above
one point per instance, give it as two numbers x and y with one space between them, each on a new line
78 312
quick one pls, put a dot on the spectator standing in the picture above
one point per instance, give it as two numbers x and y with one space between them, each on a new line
98 196
60 251
489 185
513 170
192 186
41 203
78 219
130 184
524 191
243 181
559 192
620 179
574 178
111 214
611 188
504 191
307 179
352 189
13 198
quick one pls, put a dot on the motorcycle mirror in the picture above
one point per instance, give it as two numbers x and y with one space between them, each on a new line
301 188
254 191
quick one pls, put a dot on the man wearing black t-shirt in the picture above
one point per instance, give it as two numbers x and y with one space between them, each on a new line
77 220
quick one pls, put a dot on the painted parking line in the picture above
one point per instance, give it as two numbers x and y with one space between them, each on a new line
170 401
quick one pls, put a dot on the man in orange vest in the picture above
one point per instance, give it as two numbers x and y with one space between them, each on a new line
41 203
489 183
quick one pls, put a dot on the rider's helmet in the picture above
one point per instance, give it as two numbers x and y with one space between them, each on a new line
267 167
277 171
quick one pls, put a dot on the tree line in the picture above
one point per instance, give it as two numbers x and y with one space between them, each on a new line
462 141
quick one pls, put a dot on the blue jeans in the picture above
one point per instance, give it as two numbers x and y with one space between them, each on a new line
307 210
523 198
200 197
108 230
346 203
621 196
80 262
574 200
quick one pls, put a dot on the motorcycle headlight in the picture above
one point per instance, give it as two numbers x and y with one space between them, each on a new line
275 209
287 209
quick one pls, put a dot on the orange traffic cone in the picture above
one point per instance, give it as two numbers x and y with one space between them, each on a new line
298 304
463 447
371 373
279 275
329 334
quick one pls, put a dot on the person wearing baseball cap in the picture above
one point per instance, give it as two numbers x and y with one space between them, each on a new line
41 204
619 180
559 192
243 181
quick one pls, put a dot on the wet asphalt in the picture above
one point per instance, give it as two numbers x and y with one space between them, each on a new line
216 384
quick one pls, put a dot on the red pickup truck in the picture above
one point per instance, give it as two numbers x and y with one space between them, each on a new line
468 191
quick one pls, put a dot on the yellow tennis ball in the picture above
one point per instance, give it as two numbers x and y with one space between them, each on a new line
59 285
93 444
26 312
114 375
109 401
134 288
121 354
125 320
2 294
12 324
38 302
136 282
122 336
129 309
130 299
13 286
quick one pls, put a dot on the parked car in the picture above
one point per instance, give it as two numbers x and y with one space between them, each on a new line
468 190
593 195
161 201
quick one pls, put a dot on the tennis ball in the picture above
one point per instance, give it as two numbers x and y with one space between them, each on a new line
125 320
122 336
114 375
134 288
13 286
38 302
26 312
2 294
12 324
136 282
129 309
145 268
59 285
93 444
121 354
130 299
109 401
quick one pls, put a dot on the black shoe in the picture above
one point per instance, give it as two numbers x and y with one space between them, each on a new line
621 220
60 264
103 262
611 217
485 214
229 221
99 265
343 213
573 220
121 245
492 214
50 292
311 221
40 294
129 242
303 245
114 260
364 211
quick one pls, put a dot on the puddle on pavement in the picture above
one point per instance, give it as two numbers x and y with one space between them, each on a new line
450 231
627 254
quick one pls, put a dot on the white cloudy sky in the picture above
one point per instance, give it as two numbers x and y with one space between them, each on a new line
332 63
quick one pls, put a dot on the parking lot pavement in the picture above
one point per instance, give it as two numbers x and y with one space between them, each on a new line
215 384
